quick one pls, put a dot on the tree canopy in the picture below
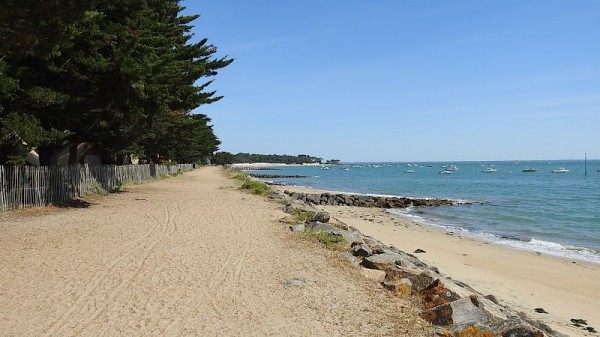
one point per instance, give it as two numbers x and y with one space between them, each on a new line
222 158
122 74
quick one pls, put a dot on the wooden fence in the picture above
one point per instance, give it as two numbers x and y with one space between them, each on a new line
31 186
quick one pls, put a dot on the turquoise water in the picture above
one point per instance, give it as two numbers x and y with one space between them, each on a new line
551 213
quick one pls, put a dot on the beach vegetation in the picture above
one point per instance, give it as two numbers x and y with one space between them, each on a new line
330 240
302 215
236 174
256 187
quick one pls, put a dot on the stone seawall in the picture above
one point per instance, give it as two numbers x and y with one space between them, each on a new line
452 307
357 200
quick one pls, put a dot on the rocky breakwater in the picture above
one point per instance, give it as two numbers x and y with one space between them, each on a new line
358 200
452 307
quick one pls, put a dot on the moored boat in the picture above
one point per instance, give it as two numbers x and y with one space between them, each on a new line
529 169
490 170
561 170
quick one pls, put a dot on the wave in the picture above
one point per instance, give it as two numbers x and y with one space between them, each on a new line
512 241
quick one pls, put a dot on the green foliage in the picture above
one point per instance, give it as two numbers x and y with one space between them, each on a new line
223 158
331 241
256 187
302 216
236 174
122 74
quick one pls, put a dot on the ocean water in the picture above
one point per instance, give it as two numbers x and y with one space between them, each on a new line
550 213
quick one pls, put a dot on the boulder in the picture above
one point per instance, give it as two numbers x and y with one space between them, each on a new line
362 250
462 311
402 287
349 257
320 217
297 228
442 291
320 227
373 274
383 261
515 327
420 279
472 310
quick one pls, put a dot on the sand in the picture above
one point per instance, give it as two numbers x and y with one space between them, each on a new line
190 255
523 280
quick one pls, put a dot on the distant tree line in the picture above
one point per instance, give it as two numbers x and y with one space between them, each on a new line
118 73
223 158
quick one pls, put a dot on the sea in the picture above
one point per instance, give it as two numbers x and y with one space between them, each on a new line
551 213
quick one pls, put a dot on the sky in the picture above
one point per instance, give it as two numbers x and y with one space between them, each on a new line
404 80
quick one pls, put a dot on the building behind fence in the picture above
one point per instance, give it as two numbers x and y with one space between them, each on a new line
34 186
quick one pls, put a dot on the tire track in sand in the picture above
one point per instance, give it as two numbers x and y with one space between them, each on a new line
106 285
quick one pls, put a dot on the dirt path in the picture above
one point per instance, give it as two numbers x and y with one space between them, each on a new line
189 256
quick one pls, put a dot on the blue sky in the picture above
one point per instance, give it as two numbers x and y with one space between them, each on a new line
399 80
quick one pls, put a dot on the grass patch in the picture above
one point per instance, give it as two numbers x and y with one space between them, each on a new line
235 174
331 241
256 187
302 216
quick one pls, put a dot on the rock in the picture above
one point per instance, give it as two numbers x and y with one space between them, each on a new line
540 310
373 274
514 327
383 261
437 294
298 281
402 287
349 257
419 250
491 298
288 208
419 278
320 217
578 321
362 250
321 227
297 228
463 311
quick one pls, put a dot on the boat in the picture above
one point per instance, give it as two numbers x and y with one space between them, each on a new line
409 171
529 169
445 172
490 170
561 170
451 168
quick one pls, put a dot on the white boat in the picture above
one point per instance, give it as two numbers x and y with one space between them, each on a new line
445 172
529 169
409 171
451 168
561 170
489 170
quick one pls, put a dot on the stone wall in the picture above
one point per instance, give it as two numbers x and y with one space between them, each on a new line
452 307
358 200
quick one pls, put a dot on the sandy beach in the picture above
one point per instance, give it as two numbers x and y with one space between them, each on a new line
523 280
190 255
